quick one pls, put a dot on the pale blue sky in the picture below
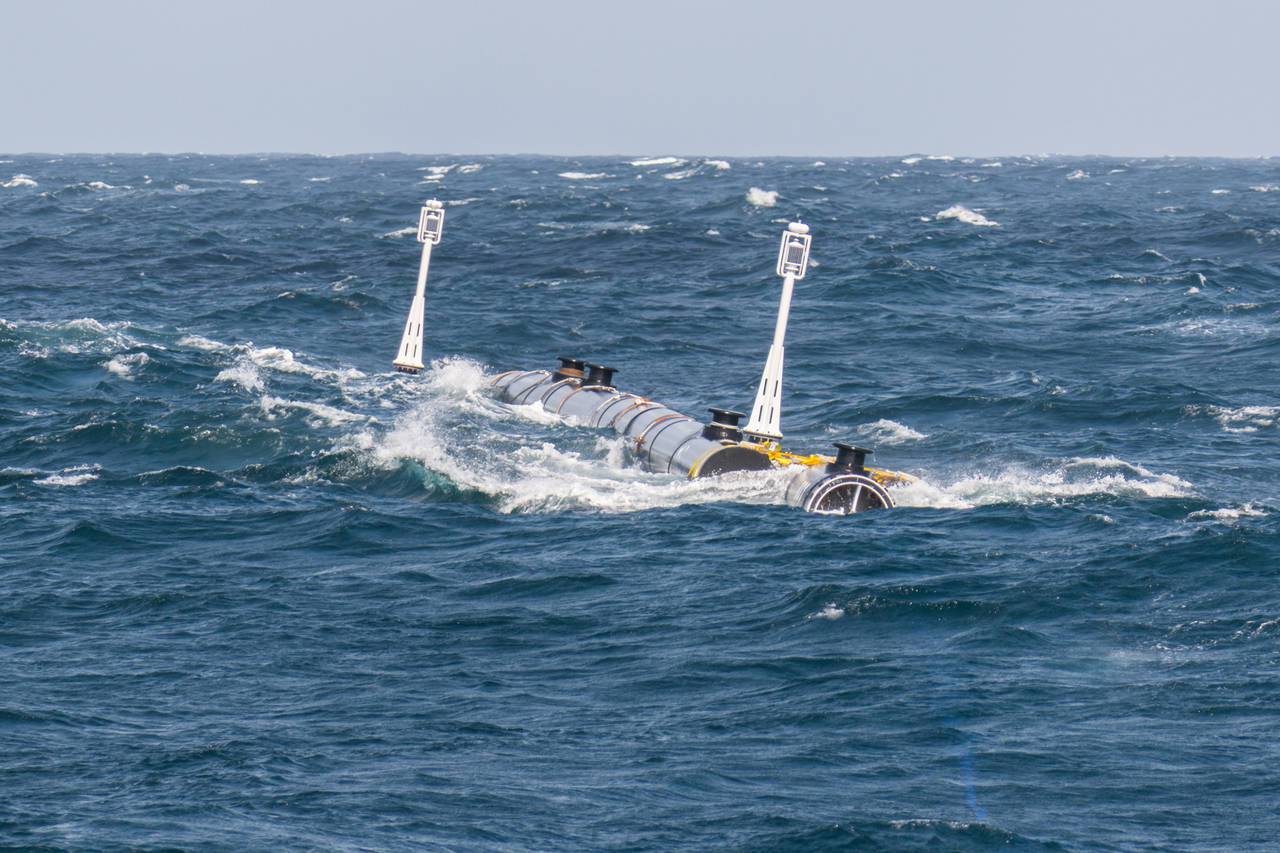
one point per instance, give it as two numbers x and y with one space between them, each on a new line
732 78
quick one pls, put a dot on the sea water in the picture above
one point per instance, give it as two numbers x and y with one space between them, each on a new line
257 591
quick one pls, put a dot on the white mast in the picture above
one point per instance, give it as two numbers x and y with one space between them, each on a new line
766 412
430 226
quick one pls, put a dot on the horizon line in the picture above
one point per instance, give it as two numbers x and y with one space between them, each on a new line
633 155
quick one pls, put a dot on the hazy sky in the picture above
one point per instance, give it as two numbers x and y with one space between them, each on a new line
734 78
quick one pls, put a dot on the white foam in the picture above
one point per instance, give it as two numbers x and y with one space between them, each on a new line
283 360
964 214
583 176
996 164
885 431
818 164
438 171
762 198
242 374
19 181
202 343
400 232
1230 513
320 412
946 158
658 161
1079 477
122 365
721 165
681 175
469 168
1220 192
1078 175
77 476
1240 419
829 611
99 185
320 180
1266 188
250 182
910 161
460 202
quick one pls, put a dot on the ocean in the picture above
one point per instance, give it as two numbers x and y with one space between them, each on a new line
258 591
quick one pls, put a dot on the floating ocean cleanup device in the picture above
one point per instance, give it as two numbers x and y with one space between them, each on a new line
665 441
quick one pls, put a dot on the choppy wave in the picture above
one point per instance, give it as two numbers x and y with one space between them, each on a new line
1075 478
963 214
659 161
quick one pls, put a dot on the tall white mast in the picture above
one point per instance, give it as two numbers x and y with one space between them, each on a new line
766 412
430 227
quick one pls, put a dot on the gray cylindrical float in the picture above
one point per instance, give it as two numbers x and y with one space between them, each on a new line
844 486
665 441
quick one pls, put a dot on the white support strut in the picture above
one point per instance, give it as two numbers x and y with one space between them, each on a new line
766 412
430 226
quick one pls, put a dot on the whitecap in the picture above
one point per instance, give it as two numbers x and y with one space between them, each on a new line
244 375
583 176
320 179
1078 175
830 611
1220 192
681 175
762 198
1266 188
1240 419
910 161
1231 513
964 214
885 431
202 343
318 412
400 232
469 168
76 476
250 182
658 161
722 165
19 181
122 365
1080 477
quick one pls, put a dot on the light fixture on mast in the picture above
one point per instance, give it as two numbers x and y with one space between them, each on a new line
430 227
793 262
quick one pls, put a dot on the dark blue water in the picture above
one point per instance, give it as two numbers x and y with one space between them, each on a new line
258 592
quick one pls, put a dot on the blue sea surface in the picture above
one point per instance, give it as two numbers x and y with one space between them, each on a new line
259 592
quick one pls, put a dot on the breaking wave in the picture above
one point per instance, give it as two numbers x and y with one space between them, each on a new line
964 214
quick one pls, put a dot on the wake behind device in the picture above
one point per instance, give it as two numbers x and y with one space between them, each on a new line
665 441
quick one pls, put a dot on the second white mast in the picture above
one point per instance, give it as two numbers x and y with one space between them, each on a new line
430 227
766 412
